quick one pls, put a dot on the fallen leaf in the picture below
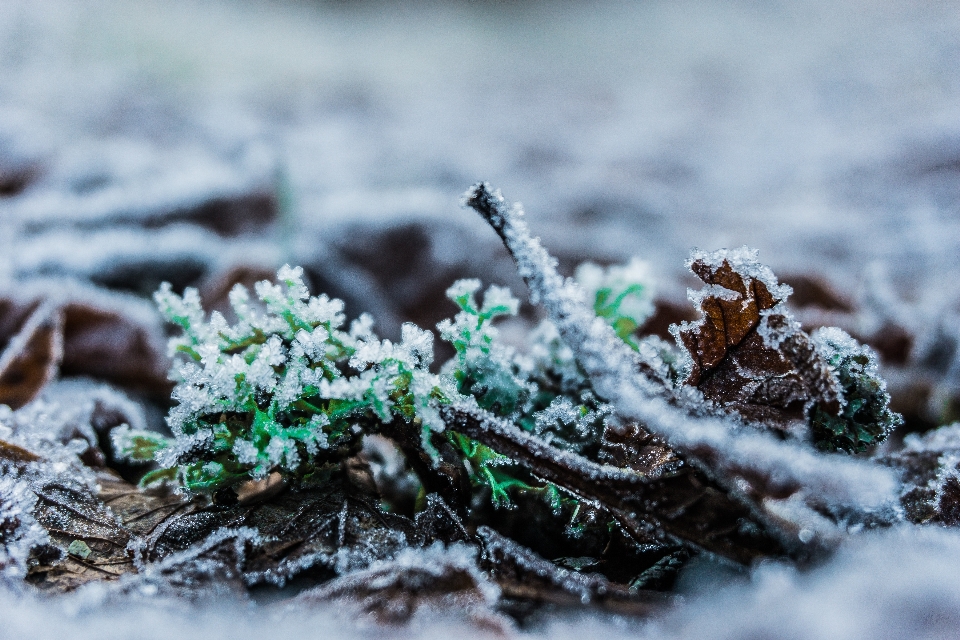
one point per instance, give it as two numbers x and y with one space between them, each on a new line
747 355
106 343
32 356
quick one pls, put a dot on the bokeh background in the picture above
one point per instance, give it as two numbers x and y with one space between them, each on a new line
824 134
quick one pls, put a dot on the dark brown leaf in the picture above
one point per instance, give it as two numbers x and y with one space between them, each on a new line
436 579
32 356
108 344
682 506
317 532
929 467
526 578
767 381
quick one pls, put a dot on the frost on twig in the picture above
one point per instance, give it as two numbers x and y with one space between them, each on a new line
681 506
750 464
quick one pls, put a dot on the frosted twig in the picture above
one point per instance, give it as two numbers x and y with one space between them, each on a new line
676 506
746 462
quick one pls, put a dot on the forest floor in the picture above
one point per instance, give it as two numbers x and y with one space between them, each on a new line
205 144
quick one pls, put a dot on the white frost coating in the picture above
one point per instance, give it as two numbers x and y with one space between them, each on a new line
774 335
612 368
697 296
943 439
19 531
901 583
433 561
58 427
744 261
464 287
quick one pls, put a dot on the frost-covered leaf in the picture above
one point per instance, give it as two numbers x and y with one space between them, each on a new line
680 505
94 541
929 466
523 576
748 465
81 331
746 354
31 357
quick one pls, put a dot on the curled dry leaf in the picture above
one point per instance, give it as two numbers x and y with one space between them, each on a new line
108 344
85 332
747 355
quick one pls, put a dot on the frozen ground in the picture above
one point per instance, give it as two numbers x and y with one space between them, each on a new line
826 135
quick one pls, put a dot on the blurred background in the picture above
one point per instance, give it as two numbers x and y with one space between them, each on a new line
207 142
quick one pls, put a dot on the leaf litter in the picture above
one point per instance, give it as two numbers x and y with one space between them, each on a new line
733 444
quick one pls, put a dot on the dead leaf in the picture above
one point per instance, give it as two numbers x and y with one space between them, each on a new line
32 356
433 579
772 380
108 344
72 515
929 467
525 577
682 506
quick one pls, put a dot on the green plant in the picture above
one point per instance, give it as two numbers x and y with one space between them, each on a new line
282 389
865 418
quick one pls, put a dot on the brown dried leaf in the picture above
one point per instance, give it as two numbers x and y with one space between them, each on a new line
110 345
76 519
316 532
769 382
32 356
